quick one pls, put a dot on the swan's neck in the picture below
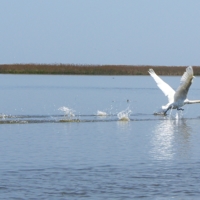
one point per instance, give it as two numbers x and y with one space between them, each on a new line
191 101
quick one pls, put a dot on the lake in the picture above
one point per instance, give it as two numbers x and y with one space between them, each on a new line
96 137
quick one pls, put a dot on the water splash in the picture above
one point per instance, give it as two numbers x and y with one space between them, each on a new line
160 111
68 111
170 112
3 116
101 113
124 115
179 115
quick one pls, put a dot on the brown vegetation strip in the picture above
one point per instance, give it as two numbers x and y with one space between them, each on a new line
72 69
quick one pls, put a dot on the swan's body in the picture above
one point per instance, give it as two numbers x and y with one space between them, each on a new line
176 99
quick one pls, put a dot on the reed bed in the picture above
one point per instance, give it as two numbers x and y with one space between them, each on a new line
73 69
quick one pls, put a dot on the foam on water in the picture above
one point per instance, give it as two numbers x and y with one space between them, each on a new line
124 115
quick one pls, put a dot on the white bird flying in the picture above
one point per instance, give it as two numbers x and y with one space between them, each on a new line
176 99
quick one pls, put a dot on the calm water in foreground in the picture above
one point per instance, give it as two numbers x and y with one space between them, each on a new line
53 145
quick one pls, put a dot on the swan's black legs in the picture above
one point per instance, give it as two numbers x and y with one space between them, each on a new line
165 113
180 109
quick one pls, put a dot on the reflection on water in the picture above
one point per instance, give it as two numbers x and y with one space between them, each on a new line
123 125
171 138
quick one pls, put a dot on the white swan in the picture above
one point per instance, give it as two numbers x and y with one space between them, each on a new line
179 98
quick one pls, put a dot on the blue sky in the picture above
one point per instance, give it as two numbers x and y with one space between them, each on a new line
130 32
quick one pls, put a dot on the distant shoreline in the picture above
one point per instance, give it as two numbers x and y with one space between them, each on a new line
74 69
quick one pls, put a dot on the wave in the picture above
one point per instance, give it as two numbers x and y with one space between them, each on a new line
30 119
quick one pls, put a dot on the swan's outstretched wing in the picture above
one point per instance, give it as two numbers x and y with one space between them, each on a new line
167 90
186 81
